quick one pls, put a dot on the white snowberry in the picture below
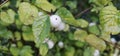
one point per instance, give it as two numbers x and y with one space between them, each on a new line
60 44
50 44
55 20
113 40
92 24
61 27
96 53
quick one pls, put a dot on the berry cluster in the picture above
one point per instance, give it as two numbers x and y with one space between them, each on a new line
57 23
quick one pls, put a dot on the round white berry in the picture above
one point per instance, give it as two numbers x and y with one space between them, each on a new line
55 20
92 24
61 26
113 40
50 44
96 53
60 44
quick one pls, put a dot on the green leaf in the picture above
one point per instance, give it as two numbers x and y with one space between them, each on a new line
119 18
58 54
105 36
100 2
70 51
109 20
96 42
26 28
96 9
43 49
11 14
18 23
17 3
80 35
26 51
41 29
7 17
88 51
78 52
79 44
45 5
94 29
66 16
27 33
27 13
8 34
71 35
82 23
72 4
57 3
15 51
3 48
28 36
3 23
19 44
53 37
5 33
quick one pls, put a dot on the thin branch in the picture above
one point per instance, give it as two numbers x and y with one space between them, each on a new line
115 45
79 14
4 3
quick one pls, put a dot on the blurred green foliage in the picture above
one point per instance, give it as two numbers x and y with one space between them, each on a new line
25 28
